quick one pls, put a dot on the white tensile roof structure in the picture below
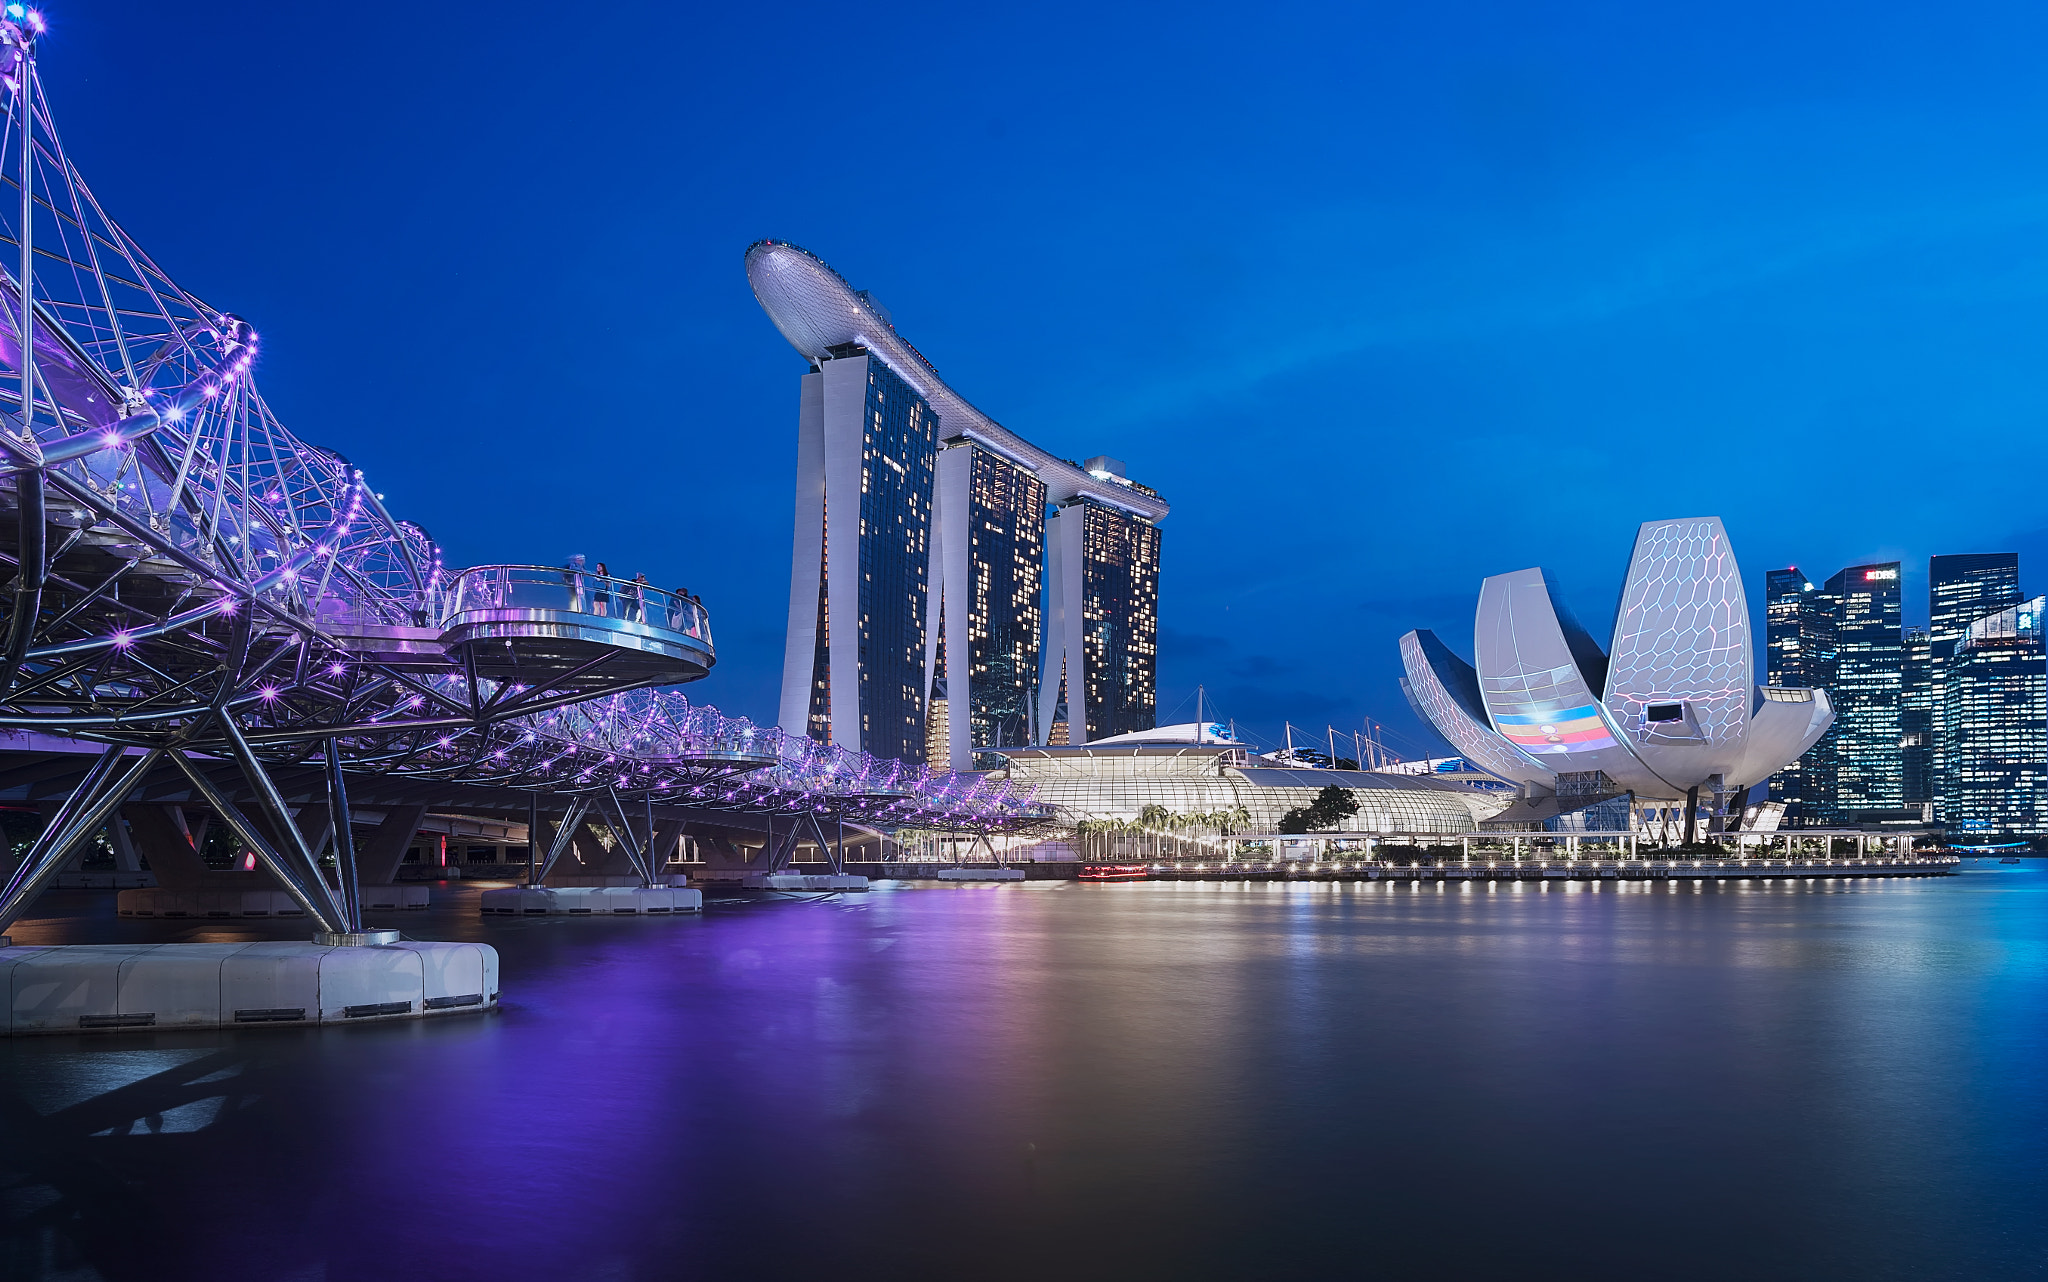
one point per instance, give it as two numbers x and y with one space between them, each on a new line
1669 707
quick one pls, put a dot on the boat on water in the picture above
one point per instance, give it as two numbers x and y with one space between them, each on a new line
2010 859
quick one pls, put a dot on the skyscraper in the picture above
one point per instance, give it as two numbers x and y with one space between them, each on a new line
1960 590
1799 651
993 621
924 524
1996 718
1107 561
1867 762
1916 724
854 653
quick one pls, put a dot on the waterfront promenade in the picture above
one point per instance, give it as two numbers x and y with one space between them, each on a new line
1542 869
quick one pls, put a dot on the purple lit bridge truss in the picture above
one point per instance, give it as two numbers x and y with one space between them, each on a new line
218 603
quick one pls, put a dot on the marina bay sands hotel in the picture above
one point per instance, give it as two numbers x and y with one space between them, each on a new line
953 587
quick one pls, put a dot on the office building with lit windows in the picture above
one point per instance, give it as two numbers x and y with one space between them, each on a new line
1995 760
1799 651
929 539
1916 723
993 622
866 448
1960 590
1107 560
1886 759
1862 747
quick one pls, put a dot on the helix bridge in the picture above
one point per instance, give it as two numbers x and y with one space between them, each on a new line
208 599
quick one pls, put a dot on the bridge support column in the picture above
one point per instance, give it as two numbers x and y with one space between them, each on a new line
158 834
384 853
125 859
719 851
565 833
667 838
293 865
595 860
85 812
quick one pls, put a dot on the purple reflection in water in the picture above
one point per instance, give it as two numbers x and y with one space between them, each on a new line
1832 1079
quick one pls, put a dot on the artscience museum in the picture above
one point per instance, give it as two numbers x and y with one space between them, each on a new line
1669 714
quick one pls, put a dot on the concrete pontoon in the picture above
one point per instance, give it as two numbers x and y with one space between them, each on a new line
114 987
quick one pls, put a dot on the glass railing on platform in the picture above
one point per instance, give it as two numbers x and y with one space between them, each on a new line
556 588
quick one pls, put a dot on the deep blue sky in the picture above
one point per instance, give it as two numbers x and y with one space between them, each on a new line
1384 298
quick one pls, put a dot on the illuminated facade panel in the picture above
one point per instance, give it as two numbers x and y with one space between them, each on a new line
1540 675
1444 691
1679 679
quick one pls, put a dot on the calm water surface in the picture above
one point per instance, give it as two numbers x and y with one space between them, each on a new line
1063 1081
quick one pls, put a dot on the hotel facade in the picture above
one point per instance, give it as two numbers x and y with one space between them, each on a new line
952 586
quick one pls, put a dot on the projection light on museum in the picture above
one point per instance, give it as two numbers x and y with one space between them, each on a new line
1670 706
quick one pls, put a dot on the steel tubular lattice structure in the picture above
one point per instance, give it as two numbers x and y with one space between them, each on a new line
193 584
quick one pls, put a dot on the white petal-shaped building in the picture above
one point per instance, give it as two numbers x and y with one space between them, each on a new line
1669 711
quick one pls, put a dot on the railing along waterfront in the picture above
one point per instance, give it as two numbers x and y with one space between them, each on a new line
1513 869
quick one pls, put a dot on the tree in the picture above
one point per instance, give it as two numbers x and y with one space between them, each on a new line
1331 807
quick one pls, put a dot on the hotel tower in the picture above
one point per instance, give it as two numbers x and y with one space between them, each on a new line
932 542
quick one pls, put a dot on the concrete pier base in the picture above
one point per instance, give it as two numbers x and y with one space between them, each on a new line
207 903
388 897
804 881
250 903
591 901
113 987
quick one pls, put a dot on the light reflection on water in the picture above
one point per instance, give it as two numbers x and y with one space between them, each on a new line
1184 1080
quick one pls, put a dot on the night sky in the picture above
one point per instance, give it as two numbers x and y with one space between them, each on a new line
1383 298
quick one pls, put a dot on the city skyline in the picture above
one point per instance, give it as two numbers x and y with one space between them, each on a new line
1944 724
394 868
1536 244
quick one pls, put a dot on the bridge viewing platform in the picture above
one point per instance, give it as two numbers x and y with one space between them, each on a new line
540 627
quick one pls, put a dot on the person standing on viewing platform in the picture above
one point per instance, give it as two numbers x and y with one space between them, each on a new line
572 574
639 614
601 591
